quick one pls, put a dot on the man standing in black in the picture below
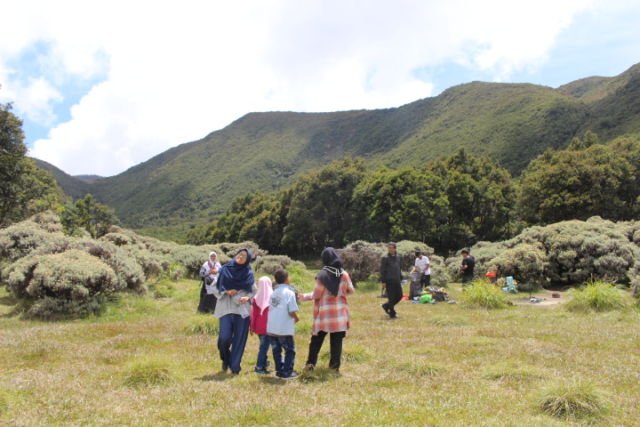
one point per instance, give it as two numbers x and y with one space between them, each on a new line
391 277
468 264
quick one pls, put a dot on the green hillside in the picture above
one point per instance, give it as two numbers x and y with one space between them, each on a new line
511 123
72 186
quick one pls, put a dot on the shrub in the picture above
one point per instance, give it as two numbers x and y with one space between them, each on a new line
71 283
127 270
572 252
268 264
230 249
572 401
48 221
525 262
362 259
483 295
407 252
22 238
596 296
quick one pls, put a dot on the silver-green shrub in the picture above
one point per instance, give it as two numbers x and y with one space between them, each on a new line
22 238
268 264
569 252
67 283
526 262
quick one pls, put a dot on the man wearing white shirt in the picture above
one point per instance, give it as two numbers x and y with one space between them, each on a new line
423 266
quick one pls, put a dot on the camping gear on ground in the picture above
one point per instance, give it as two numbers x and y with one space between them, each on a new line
438 294
492 276
426 299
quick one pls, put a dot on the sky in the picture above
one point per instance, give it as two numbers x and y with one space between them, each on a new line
102 86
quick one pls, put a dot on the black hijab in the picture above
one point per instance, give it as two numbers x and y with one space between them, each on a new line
330 274
236 276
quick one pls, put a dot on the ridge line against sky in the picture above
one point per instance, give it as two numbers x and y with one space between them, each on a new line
102 87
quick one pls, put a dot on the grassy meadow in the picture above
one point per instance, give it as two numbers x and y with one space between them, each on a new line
150 361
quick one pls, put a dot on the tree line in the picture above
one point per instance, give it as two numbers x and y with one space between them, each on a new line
448 203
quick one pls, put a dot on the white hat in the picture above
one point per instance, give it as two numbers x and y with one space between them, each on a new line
212 253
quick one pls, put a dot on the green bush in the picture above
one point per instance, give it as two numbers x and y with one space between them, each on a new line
22 238
570 253
268 264
525 262
48 221
483 295
597 296
572 401
71 283
362 259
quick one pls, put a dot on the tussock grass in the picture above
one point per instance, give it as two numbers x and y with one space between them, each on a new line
481 294
148 372
572 401
202 324
597 296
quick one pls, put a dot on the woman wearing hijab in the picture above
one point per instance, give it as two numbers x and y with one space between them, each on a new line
234 290
209 276
259 318
330 309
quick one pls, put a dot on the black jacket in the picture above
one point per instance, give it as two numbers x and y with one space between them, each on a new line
390 269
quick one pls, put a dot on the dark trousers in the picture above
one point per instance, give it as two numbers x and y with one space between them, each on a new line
335 341
284 366
425 280
394 293
207 301
232 339
261 363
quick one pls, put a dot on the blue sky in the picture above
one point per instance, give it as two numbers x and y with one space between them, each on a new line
102 89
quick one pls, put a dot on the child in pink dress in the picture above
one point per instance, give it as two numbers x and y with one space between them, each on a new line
258 324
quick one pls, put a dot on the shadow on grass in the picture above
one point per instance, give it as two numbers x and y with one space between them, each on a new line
218 376
272 380
8 300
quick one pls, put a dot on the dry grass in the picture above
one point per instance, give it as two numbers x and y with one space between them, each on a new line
435 365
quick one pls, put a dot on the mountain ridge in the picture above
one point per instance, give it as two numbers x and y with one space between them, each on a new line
511 123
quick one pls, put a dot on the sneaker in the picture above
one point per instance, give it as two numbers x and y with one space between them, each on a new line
261 371
225 367
386 309
309 367
291 376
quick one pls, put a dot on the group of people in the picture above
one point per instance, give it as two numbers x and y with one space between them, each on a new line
391 274
270 311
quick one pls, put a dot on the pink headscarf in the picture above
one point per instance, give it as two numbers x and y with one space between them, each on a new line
265 289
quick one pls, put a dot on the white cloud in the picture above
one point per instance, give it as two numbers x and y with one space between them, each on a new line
174 71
